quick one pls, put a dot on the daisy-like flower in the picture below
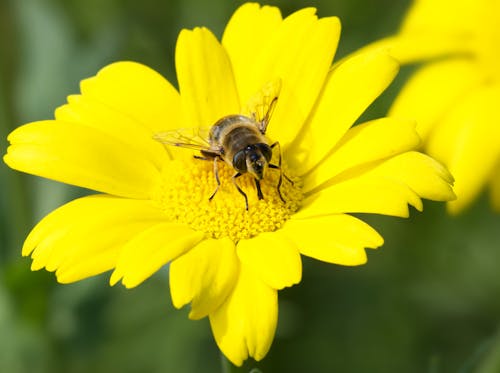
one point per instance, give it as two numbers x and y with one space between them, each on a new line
153 204
454 97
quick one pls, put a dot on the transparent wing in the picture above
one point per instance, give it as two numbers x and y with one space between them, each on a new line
260 106
191 138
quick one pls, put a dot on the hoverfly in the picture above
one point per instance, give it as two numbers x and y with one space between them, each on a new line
238 140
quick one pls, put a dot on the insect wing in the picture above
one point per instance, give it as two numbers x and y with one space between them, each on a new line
260 107
190 138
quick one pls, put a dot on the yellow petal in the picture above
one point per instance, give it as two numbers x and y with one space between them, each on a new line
272 257
362 145
138 92
488 36
204 276
339 239
246 322
87 257
82 156
426 177
414 47
384 188
205 78
87 111
298 51
363 194
84 235
147 252
249 30
300 56
350 88
433 90
435 28
99 262
467 141
448 17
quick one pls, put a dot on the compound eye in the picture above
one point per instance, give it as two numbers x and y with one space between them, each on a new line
266 151
239 161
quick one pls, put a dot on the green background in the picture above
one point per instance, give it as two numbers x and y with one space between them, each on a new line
427 301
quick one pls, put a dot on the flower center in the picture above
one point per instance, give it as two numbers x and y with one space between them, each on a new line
188 184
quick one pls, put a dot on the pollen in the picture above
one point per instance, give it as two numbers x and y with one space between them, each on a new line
187 185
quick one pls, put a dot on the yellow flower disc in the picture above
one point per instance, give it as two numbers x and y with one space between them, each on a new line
187 185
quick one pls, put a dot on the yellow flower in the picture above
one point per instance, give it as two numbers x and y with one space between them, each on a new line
454 97
228 262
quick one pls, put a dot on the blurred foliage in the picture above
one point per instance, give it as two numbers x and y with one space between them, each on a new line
427 301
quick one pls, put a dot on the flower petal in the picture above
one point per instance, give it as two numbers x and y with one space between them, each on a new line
205 78
467 141
425 176
362 145
435 28
205 276
415 47
87 111
147 252
137 91
272 257
384 188
350 88
362 195
434 89
248 31
339 239
428 17
83 237
299 51
302 62
81 156
246 322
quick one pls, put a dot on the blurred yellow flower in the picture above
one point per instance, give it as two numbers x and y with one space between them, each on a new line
228 262
455 96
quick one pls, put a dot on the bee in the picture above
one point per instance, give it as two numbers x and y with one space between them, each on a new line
240 142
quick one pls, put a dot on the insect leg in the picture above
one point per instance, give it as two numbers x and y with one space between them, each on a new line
236 175
278 187
284 175
259 191
200 157
278 167
216 173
